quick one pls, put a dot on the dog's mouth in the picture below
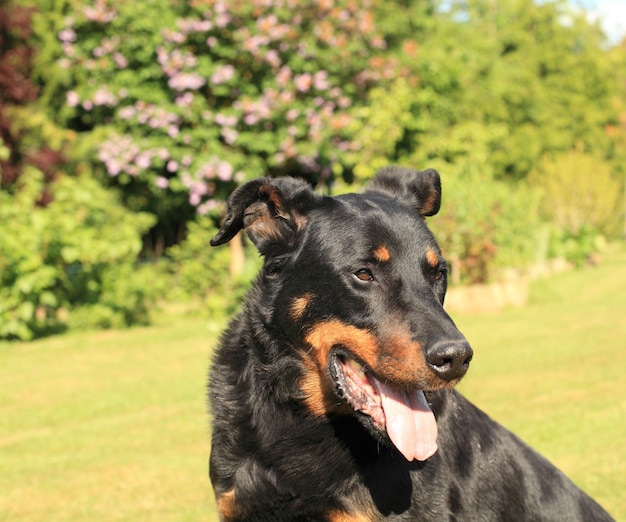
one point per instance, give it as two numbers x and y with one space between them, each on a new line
403 414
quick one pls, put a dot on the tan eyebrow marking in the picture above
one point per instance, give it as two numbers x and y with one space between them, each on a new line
299 305
382 254
432 258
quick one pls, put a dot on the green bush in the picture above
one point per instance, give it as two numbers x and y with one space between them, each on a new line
200 272
485 225
581 199
579 191
70 263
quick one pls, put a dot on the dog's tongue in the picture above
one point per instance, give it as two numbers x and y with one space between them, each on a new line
410 423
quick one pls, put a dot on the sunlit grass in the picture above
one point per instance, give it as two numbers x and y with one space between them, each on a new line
113 426
106 426
553 372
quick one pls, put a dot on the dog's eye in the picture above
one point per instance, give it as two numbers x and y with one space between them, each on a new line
274 266
364 275
440 273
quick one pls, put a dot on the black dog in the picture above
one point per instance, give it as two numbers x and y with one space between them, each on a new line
331 391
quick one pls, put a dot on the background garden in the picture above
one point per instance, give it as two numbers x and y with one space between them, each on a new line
124 126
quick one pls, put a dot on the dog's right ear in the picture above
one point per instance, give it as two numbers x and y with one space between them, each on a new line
272 212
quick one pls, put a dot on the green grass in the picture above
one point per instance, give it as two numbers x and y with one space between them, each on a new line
112 426
553 373
106 426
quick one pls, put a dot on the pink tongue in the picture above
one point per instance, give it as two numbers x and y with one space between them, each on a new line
410 423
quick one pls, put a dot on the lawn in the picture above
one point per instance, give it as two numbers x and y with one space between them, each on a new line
112 426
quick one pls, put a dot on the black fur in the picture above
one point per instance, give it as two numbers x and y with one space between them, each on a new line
360 278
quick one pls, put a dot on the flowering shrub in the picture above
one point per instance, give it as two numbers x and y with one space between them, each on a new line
189 97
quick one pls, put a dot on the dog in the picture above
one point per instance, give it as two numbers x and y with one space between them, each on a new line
332 391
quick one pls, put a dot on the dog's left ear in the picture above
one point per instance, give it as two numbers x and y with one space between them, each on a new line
272 212
419 190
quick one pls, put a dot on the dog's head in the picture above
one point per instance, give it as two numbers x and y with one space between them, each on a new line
355 285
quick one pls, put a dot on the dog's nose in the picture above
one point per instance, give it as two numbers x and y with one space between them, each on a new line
450 360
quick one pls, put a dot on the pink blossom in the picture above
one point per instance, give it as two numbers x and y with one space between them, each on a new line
162 182
143 160
126 113
174 36
103 96
303 82
190 25
194 198
320 80
207 207
251 119
225 121
120 153
162 55
284 76
67 35
265 23
222 19
221 6
68 49
100 12
114 167
286 97
224 171
172 166
344 102
186 100
120 60
72 98
186 81
273 58
229 135
254 43
222 74
197 190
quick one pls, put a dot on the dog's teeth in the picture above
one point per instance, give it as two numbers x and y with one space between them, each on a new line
355 365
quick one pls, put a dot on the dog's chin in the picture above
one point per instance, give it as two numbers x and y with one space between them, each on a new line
394 415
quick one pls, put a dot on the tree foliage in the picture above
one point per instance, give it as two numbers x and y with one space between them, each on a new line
498 83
